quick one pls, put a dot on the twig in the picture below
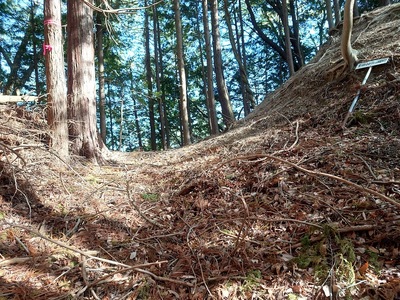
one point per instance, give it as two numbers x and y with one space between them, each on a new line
4 146
160 278
15 260
125 270
138 209
23 245
286 220
127 10
368 166
68 247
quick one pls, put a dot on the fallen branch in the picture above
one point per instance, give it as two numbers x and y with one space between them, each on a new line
112 262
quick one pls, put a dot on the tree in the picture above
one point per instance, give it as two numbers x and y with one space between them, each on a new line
149 79
329 13
223 95
182 76
55 78
277 42
101 78
18 74
212 114
246 90
336 8
81 82
158 70
288 45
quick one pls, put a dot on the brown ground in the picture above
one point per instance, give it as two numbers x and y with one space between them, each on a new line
286 205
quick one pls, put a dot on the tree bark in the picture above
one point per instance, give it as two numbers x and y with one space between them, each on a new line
288 45
157 61
81 82
149 79
182 76
329 15
12 83
34 6
336 8
223 95
55 78
295 40
246 89
137 124
212 114
100 59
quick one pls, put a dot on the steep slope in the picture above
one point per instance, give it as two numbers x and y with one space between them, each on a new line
286 205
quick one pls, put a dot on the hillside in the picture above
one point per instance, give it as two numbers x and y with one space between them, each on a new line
285 205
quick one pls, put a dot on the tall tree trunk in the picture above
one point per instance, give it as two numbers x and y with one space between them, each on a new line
55 78
295 40
288 44
329 15
135 114
356 12
100 68
163 96
212 114
276 47
111 119
223 95
336 8
246 90
121 123
243 46
13 83
34 6
157 60
81 82
182 76
149 79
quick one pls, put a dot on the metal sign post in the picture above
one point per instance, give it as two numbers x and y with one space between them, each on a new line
369 65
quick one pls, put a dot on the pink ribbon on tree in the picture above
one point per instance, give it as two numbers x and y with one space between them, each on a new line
50 22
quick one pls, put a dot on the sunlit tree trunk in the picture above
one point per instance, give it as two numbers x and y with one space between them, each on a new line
223 96
158 59
121 123
101 79
336 8
182 76
110 120
149 79
55 78
295 40
135 114
288 45
246 90
163 96
329 15
34 6
81 82
14 80
212 114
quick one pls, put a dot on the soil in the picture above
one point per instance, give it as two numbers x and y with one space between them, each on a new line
290 203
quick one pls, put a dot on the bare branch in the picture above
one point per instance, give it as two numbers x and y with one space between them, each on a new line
127 10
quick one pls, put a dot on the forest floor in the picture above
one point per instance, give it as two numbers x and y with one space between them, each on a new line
288 204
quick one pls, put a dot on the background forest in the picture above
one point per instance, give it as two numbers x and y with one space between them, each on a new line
138 62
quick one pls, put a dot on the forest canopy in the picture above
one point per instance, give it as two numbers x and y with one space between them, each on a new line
138 83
